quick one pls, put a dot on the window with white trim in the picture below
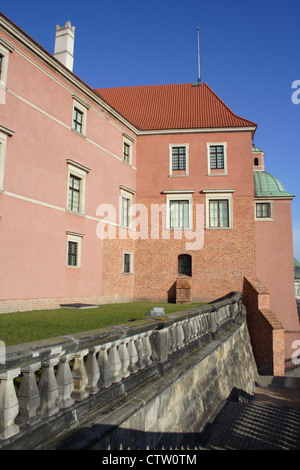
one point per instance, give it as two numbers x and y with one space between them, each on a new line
5 49
219 210
4 133
264 210
127 263
178 159
74 250
127 149
218 213
125 207
179 211
79 116
217 158
76 187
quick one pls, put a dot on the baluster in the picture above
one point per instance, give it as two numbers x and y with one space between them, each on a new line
172 339
124 357
65 381
180 335
93 371
104 365
80 376
115 363
140 351
133 355
147 349
48 387
187 332
9 406
193 329
28 395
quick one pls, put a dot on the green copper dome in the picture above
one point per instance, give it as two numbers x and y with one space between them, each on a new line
266 185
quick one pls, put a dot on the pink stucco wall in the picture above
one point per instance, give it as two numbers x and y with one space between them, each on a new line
34 220
275 266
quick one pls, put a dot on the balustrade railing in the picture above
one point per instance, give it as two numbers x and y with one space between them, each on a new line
43 379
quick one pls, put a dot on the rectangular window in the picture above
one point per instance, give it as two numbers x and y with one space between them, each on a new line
77 175
79 116
126 152
77 120
74 193
127 148
125 205
127 264
263 210
218 213
72 253
179 214
74 249
4 134
178 158
216 157
1 65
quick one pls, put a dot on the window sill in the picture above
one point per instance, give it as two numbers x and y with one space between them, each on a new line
178 176
261 219
78 133
178 229
82 214
218 228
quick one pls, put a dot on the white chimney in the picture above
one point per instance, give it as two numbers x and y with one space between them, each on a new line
64 44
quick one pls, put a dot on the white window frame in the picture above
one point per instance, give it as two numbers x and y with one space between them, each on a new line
128 194
4 133
127 140
221 195
83 108
179 196
74 238
264 201
79 171
222 172
174 172
131 262
5 49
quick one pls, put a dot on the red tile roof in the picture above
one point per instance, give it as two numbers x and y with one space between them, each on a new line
183 106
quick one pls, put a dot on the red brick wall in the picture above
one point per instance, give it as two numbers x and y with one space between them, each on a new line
115 284
218 267
266 331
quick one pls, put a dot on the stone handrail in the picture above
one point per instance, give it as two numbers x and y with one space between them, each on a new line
42 379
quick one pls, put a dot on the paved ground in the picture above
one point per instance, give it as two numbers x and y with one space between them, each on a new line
271 421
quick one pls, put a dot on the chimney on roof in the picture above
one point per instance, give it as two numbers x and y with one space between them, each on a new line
64 44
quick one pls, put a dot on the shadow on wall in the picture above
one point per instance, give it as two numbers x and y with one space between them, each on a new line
241 424
112 437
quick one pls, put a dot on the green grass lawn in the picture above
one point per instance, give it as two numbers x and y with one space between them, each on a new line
23 327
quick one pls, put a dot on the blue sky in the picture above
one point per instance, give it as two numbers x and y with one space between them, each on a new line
250 56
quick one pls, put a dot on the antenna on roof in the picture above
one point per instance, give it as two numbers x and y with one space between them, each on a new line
199 79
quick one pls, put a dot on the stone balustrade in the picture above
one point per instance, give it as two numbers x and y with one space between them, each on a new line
44 379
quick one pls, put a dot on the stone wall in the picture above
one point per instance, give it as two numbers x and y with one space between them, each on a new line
171 411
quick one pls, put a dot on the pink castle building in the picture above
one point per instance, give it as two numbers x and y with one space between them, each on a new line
139 193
